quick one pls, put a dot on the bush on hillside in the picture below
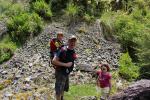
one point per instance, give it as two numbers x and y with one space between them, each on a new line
72 10
22 26
59 5
7 48
4 5
15 9
47 1
143 51
127 69
42 8
143 47
88 18
127 29
145 72
6 51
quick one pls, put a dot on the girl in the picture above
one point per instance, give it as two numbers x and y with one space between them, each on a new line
104 81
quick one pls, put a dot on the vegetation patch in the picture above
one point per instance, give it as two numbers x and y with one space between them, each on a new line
127 69
7 48
42 8
23 26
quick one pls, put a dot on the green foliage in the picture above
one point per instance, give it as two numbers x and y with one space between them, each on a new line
22 26
4 5
42 8
143 48
59 5
47 1
7 48
72 10
126 30
143 51
127 69
15 9
88 18
145 72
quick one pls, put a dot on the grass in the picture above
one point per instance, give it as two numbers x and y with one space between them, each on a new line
78 91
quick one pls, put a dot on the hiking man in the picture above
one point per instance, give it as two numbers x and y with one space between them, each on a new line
56 44
64 61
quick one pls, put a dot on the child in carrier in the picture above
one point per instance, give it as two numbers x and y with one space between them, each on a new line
104 81
56 44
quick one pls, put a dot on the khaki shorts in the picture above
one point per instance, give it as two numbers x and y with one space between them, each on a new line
104 92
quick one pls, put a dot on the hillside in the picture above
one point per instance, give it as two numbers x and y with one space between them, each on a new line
30 62
115 32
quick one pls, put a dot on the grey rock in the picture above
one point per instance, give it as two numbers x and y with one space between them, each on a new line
85 67
140 90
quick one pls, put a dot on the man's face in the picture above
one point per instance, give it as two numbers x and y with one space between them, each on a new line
72 43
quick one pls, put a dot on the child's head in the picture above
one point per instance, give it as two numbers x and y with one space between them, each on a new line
60 36
105 67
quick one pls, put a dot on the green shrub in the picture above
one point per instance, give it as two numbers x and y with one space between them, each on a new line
145 72
127 69
4 5
143 51
88 18
59 5
7 48
42 8
47 1
126 30
15 9
143 47
72 10
22 26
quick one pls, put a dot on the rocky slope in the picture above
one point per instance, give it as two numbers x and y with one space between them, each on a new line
28 72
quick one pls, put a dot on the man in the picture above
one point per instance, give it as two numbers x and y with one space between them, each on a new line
64 60
56 44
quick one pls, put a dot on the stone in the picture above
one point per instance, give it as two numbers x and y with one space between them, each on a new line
139 90
85 67
89 98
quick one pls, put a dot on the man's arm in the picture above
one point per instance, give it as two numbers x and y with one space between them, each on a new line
56 61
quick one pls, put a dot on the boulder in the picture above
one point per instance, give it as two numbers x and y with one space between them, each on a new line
139 90
85 67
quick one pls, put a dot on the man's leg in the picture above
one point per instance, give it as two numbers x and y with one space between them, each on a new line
60 85
62 97
58 97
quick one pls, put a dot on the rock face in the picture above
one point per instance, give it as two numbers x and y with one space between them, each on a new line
140 90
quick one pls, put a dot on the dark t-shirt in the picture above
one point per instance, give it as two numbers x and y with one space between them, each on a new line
66 55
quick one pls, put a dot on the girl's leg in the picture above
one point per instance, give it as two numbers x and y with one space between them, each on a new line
104 93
